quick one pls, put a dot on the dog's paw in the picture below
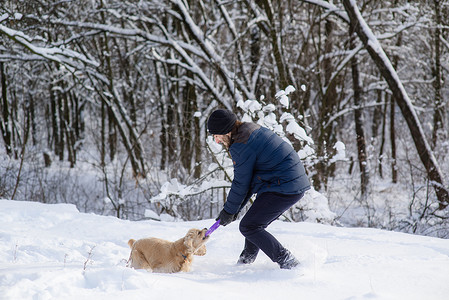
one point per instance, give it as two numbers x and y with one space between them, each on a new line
201 251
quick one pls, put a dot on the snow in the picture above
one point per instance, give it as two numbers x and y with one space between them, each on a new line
293 128
282 96
249 105
52 251
340 148
289 89
18 16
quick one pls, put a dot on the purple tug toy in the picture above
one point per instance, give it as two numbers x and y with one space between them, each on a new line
212 228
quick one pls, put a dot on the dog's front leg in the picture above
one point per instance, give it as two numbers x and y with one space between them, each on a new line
201 251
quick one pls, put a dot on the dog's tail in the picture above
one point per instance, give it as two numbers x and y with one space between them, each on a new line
131 243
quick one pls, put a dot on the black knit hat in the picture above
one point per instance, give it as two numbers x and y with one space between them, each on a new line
221 121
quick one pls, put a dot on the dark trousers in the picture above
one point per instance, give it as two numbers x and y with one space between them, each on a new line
266 208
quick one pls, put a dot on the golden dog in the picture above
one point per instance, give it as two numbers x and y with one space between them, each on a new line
161 256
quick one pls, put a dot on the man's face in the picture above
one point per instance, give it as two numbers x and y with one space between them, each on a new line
224 139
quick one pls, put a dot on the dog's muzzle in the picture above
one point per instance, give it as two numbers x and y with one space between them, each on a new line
204 232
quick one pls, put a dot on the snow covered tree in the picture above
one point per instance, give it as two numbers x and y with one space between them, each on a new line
401 97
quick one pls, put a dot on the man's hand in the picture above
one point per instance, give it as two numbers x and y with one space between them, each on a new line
225 218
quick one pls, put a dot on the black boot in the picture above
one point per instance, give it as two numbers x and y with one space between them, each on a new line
249 253
287 260
246 258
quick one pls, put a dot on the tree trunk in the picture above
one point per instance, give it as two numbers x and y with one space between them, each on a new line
329 100
254 58
33 120
377 115
70 141
187 130
394 172
60 105
54 140
382 143
438 112
172 131
112 134
198 148
358 119
163 139
5 126
103 135
162 113
275 37
400 95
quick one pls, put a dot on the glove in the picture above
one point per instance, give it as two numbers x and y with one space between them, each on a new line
225 218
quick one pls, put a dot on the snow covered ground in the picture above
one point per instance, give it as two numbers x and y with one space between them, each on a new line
55 252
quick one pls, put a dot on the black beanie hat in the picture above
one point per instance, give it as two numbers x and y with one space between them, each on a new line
221 121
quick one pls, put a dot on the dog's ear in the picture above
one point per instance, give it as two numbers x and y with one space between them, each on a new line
188 240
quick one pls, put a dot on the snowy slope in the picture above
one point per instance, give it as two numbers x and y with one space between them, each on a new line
44 254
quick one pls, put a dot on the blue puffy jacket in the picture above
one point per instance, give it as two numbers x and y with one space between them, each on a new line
263 162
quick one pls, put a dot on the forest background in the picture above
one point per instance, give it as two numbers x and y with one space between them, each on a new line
104 104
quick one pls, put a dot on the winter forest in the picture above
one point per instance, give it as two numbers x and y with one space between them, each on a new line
104 104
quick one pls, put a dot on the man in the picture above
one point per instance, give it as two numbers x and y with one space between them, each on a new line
266 165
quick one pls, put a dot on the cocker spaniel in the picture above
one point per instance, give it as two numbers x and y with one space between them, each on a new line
161 256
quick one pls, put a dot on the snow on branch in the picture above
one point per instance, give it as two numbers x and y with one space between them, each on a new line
69 58
175 188
444 41
330 8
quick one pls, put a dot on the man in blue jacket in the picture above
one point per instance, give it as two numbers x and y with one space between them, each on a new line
266 165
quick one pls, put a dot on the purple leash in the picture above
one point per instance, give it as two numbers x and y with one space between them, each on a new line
212 228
